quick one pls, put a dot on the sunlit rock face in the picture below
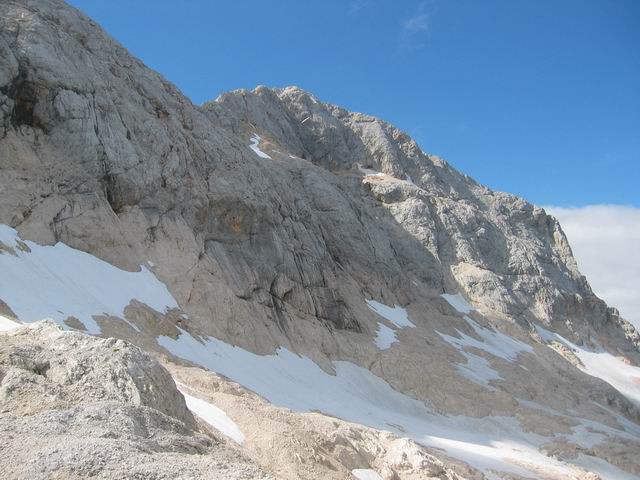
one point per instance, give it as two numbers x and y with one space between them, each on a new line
315 256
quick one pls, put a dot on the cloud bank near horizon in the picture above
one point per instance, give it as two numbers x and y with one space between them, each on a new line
605 240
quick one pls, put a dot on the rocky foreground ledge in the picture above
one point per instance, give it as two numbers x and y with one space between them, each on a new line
76 406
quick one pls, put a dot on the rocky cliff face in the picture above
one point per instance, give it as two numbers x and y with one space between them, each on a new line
273 218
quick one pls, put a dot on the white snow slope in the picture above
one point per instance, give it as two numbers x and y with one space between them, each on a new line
601 364
58 281
355 394
496 343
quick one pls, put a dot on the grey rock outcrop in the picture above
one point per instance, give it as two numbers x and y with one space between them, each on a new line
111 370
74 406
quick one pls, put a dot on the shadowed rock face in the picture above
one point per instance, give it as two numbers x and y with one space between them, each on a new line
281 248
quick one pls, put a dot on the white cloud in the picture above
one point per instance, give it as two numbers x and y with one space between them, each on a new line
418 23
414 28
605 240
356 6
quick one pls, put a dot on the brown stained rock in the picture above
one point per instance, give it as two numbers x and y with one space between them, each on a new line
75 323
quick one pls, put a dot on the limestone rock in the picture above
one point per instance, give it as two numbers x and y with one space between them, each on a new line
75 406
272 217
39 357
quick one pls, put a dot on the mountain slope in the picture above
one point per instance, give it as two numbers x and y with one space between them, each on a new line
335 255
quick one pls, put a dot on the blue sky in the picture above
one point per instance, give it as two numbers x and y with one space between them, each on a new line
539 98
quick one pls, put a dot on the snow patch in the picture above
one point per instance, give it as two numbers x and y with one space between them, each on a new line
496 343
478 370
368 172
7 324
627 425
366 474
255 141
458 302
589 433
58 281
385 337
213 415
296 382
396 314
601 364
